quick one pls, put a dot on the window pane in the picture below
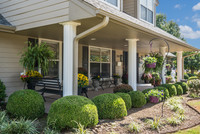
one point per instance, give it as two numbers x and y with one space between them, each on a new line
106 69
113 2
54 46
150 16
53 70
143 2
143 13
105 55
95 55
150 4
94 69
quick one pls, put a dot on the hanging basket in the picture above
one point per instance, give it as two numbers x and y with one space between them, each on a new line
152 65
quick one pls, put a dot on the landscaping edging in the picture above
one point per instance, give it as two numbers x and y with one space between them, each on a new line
192 106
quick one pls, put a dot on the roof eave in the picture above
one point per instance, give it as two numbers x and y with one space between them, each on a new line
9 29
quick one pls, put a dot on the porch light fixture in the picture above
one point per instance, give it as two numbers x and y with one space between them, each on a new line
93 39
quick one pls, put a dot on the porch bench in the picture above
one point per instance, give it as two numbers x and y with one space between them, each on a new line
50 85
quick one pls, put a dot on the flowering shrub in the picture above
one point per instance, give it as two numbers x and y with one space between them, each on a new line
155 93
146 77
30 74
194 87
97 77
82 80
168 79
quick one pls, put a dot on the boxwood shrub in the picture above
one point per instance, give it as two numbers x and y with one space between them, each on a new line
26 103
2 91
184 86
171 88
137 98
66 112
123 88
110 106
127 99
179 89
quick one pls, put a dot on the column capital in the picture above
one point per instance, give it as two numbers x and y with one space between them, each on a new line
134 40
71 23
179 52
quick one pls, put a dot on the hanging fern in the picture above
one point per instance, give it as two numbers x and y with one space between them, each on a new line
40 55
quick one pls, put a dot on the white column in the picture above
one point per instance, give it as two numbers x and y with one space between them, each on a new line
69 34
179 65
163 52
132 63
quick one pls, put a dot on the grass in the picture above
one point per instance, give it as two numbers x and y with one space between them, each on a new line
195 130
195 104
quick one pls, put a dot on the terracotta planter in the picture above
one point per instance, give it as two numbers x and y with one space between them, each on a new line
154 99
152 65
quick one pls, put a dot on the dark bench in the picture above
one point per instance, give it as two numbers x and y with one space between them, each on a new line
50 85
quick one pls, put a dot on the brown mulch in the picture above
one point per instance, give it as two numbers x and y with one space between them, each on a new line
148 111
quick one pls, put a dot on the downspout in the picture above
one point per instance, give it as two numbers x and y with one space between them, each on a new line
99 26
184 64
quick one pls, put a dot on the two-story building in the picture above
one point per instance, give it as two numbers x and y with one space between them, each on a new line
78 31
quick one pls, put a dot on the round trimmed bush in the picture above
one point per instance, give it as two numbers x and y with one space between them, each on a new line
66 112
171 88
127 99
137 98
186 76
26 103
184 86
123 88
179 89
164 89
110 106
193 78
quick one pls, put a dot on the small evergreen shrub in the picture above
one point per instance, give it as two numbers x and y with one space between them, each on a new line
21 126
110 106
184 86
138 99
193 78
26 103
2 91
123 88
127 99
171 88
66 112
179 89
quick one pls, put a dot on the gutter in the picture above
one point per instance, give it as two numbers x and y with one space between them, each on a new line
82 35
9 29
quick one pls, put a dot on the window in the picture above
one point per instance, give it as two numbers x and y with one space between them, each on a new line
147 8
116 3
100 61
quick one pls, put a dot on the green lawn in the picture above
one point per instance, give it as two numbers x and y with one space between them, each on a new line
195 130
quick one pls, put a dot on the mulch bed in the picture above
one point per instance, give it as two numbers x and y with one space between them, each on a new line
148 111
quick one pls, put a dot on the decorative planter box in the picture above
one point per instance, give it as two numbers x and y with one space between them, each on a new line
154 99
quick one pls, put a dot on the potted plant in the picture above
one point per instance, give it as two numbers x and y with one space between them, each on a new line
146 77
168 66
156 80
150 62
82 82
116 79
168 79
31 78
155 96
95 82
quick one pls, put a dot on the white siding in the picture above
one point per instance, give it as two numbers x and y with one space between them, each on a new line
25 14
10 47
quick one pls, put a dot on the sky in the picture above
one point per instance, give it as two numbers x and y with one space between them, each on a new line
186 13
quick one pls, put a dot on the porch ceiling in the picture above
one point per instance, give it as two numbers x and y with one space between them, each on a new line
112 36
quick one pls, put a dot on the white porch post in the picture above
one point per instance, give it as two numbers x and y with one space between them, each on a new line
163 52
132 63
179 65
69 33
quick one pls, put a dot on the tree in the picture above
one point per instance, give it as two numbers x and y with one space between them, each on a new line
193 62
171 27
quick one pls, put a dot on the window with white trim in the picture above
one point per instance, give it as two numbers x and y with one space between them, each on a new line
147 10
100 61
115 3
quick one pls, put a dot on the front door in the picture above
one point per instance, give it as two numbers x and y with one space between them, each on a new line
55 70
